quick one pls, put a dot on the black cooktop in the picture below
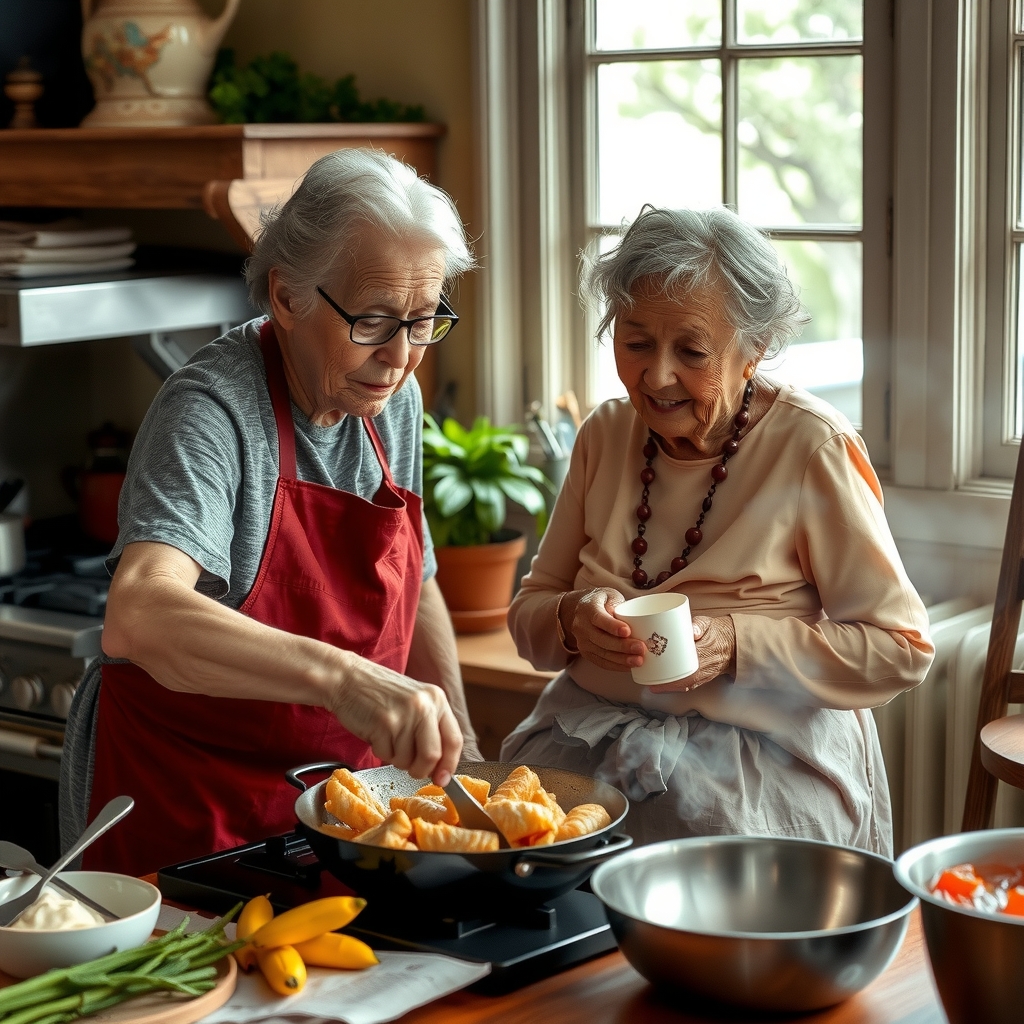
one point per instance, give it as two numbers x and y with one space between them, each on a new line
538 942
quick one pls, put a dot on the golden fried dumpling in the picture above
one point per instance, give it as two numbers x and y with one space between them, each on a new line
521 784
350 809
358 788
478 789
339 831
523 822
430 790
430 808
542 796
394 832
582 820
442 838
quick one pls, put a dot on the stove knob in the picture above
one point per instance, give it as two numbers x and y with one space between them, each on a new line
61 697
27 691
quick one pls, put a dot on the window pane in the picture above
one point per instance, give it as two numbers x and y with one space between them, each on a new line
828 358
657 24
1019 60
659 136
800 140
789 21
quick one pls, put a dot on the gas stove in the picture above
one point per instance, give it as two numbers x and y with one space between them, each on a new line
51 619
532 944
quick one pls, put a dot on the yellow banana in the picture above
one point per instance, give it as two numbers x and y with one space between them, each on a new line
283 968
308 921
255 914
334 950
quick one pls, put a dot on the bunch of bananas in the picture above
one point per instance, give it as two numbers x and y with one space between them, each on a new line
284 946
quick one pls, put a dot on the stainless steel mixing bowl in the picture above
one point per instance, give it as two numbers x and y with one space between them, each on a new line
977 959
770 924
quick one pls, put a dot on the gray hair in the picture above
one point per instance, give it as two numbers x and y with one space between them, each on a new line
346 191
691 250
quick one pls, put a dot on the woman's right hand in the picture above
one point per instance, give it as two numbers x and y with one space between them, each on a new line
407 723
602 639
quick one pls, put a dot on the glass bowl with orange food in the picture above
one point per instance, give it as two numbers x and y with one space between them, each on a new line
971 888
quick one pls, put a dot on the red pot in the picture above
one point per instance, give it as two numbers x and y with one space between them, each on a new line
98 493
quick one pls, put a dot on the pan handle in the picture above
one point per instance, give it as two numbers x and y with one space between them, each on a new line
292 775
615 844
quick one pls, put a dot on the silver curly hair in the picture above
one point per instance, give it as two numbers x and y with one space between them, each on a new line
691 250
345 192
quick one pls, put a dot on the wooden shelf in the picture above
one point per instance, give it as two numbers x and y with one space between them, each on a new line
169 168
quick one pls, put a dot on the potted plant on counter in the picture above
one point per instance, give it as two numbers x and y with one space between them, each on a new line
467 477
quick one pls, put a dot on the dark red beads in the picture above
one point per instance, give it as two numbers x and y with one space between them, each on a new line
694 535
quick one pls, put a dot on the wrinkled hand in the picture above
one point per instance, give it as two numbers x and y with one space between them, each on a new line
601 638
716 654
407 723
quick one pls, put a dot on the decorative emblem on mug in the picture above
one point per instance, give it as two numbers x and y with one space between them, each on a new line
656 644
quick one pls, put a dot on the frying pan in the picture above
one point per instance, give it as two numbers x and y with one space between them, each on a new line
456 884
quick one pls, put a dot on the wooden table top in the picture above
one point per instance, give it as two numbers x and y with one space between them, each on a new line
608 991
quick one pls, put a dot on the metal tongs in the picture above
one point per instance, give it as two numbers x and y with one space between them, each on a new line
471 814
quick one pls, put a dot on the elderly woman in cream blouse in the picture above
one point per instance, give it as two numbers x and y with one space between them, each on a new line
757 501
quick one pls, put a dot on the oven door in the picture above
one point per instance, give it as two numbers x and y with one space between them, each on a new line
30 753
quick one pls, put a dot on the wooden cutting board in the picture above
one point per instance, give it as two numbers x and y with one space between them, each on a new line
166 1007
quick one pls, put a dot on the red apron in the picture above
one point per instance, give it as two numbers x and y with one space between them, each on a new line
207 772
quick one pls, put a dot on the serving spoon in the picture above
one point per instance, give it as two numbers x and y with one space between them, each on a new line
19 859
471 814
111 814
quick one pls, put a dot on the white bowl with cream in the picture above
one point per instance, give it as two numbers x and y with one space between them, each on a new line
26 952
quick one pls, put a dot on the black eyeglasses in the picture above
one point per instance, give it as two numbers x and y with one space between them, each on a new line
374 329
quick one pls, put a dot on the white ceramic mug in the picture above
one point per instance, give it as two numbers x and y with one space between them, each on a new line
663 622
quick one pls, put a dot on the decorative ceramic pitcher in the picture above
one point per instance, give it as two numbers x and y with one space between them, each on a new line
149 61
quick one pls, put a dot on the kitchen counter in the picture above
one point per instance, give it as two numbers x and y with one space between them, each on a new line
501 688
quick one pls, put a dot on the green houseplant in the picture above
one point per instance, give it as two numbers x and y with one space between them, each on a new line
468 475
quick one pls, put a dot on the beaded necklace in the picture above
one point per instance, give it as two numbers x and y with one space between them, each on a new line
694 535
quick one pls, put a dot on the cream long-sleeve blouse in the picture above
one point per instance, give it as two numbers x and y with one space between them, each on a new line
796 550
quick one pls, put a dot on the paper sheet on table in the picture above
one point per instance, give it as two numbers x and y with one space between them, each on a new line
398 984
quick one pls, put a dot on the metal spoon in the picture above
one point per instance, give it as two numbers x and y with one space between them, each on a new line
112 813
471 814
20 859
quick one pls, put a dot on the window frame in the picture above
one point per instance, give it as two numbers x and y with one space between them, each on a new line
873 231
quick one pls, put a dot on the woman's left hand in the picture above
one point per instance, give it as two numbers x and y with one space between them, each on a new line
716 654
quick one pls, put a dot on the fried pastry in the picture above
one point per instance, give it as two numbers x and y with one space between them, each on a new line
394 832
478 789
358 788
546 799
350 809
582 820
523 822
442 838
521 784
430 808
339 831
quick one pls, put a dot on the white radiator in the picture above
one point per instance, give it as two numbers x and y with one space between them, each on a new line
912 729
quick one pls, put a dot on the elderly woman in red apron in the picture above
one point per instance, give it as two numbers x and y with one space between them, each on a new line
273 600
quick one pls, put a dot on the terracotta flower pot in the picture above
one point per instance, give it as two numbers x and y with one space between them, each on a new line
477 582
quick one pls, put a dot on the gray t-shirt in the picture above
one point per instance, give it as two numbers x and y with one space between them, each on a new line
202 476
204 466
